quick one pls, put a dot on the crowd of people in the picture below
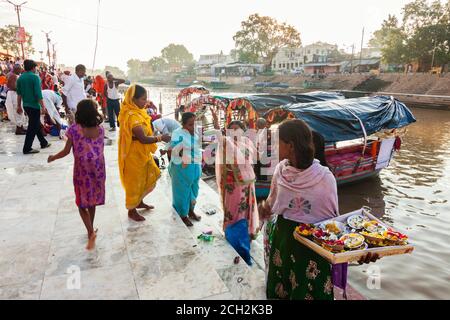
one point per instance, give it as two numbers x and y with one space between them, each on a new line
303 189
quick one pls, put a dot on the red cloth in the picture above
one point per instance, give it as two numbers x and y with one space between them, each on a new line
155 117
47 81
397 143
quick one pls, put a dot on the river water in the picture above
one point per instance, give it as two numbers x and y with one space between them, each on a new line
413 196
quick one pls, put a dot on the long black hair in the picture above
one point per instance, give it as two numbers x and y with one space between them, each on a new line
87 115
186 116
139 92
300 136
319 146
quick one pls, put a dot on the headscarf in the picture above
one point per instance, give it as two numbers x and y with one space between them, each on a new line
99 84
238 156
130 110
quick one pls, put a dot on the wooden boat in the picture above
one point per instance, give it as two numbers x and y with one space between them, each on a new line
248 108
185 96
271 85
219 85
360 134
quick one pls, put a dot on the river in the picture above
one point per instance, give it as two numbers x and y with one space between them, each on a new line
412 195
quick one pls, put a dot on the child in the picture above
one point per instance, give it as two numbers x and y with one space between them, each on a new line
86 139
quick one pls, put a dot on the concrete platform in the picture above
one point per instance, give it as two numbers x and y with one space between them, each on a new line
42 238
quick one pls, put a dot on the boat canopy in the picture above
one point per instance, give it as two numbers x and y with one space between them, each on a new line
327 95
187 92
256 105
342 120
198 103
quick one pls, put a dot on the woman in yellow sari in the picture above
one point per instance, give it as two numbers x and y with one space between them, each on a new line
138 170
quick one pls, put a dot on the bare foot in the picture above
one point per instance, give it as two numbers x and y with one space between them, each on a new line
91 242
142 205
133 215
195 217
187 222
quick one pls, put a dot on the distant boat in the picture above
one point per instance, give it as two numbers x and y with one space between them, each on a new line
219 85
271 85
183 84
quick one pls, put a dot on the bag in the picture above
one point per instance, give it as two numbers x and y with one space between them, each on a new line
238 237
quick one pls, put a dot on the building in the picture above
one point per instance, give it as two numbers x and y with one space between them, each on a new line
321 68
236 69
360 65
294 58
204 64
371 53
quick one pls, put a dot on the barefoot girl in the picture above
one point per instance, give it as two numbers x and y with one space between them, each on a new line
86 139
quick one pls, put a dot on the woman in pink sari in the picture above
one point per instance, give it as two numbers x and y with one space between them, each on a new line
236 182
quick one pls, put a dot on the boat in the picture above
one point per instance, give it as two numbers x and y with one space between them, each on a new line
271 85
360 134
219 85
184 97
249 108
181 84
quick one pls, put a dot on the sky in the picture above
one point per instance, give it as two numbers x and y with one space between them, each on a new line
141 28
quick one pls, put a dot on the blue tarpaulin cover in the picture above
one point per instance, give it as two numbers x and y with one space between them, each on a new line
265 102
340 120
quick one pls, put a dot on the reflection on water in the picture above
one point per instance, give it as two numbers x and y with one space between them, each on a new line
412 195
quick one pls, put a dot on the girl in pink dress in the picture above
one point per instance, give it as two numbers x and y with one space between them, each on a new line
86 140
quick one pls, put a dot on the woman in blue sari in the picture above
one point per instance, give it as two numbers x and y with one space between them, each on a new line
185 169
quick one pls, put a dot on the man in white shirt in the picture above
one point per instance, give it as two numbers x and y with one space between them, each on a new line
165 125
73 91
53 102
55 80
113 99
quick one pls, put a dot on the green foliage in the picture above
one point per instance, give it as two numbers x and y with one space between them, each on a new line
424 32
261 37
173 55
115 71
157 64
8 41
177 55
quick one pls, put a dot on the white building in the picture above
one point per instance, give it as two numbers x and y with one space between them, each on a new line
293 58
206 61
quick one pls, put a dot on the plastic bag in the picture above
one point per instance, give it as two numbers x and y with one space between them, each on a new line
238 237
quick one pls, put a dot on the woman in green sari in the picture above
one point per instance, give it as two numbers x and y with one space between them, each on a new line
302 191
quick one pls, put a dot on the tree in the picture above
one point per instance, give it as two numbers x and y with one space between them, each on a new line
115 71
338 56
157 64
177 55
428 31
8 40
423 36
261 37
134 69
391 39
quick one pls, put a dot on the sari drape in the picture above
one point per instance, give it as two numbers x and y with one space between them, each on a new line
138 170
185 171
236 181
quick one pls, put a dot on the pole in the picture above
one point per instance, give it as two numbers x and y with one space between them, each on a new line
48 47
160 104
432 59
54 57
360 55
353 53
17 7
96 37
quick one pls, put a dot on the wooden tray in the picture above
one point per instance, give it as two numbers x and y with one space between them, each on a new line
356 255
